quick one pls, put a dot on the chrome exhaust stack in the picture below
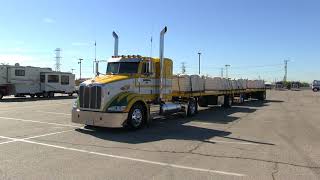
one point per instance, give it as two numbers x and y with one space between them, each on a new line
161 51
116 43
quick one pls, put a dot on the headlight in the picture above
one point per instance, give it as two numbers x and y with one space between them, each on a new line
117 108
75 104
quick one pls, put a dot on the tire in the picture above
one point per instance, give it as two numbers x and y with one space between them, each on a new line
137 117
51 94
1 95
262 96
315 89
70 94
192 107
202 102
32 95
228 101
45 94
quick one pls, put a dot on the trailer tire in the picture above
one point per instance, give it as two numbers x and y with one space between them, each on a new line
192 107
45 94
202 101
228 101
137 117
262 96
51 94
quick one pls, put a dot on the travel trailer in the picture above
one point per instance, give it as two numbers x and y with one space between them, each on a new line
34 81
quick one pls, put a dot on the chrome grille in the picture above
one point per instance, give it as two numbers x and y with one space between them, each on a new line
90 97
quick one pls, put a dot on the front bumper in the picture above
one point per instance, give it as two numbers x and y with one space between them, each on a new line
99 119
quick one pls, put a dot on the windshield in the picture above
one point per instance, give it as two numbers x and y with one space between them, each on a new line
122 67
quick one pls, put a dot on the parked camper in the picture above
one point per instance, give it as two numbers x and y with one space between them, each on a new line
295 86
34 81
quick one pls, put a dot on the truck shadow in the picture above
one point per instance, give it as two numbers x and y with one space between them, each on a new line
28 99
177 128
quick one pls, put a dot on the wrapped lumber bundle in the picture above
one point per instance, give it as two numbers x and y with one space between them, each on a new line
197 83
181 83
216 84
186 83
243 83
227 84
255 84
236 84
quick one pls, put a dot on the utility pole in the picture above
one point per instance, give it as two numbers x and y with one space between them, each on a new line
58 57
199 53
72 70
79 62
221 72
285 70
227 66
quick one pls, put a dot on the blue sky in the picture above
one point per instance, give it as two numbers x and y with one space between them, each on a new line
253 36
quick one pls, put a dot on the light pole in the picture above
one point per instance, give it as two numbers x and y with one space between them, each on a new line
80 59
72 70
199 53
227 66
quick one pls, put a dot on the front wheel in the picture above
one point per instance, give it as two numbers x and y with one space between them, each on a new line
136 117
315 89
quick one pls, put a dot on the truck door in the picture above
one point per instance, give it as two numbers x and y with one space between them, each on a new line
146 81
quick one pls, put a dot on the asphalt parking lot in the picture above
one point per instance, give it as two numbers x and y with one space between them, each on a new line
275 139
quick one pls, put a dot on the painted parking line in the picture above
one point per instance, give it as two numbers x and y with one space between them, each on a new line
47 112
41 122
128 158
35 106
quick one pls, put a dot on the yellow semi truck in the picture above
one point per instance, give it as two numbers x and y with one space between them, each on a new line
135 89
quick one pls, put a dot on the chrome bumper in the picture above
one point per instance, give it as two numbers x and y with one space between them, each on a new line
99 118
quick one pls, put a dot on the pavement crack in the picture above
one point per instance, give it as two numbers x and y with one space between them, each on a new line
275 170
195 148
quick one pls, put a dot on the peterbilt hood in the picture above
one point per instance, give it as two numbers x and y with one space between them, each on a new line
105 79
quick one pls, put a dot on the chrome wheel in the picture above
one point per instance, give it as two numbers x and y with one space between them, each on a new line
136 117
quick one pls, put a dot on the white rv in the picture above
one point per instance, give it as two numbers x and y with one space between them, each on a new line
34 81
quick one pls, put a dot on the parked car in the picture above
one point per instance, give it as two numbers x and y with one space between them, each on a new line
316 85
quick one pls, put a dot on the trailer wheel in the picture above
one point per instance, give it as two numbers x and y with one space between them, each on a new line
137 116
262 96
45 94
192 107
51 94
228 100
202 102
